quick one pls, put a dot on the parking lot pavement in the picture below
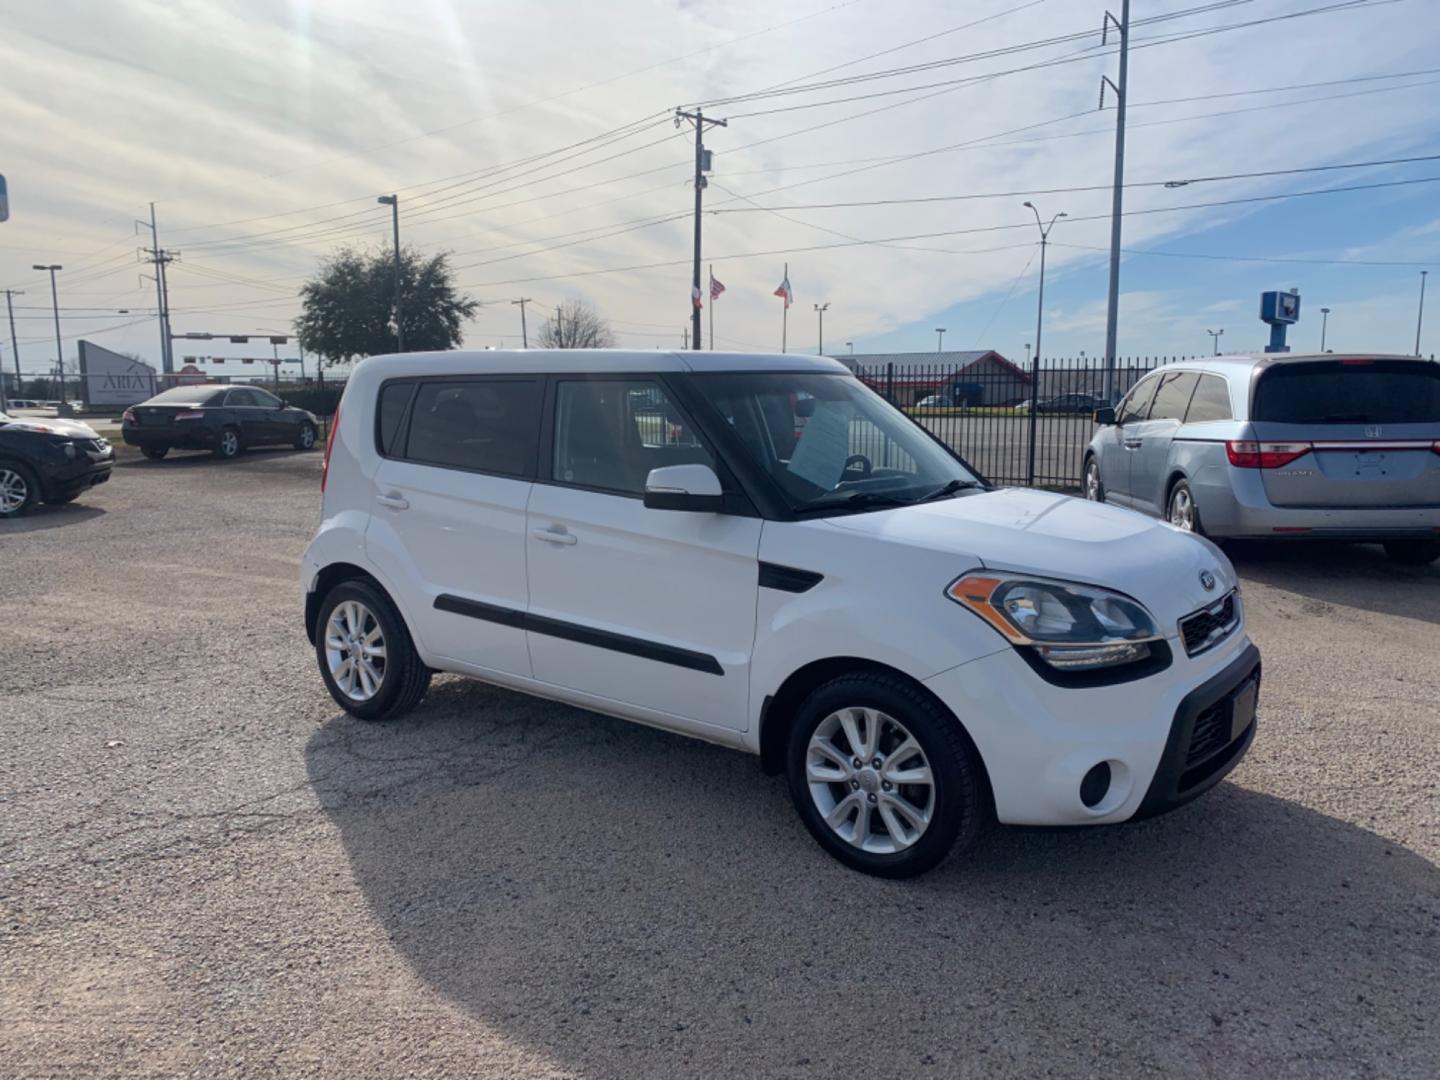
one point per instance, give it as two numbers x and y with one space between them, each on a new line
206 869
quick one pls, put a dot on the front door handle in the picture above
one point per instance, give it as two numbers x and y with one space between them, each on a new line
1132 444
394 500
555 535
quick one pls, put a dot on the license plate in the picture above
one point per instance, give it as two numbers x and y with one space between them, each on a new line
1242 711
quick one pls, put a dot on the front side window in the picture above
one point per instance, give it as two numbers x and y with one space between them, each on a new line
264 398
609 434
830 443
487 425
1136 405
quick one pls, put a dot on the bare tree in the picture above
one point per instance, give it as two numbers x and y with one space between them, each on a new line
576 325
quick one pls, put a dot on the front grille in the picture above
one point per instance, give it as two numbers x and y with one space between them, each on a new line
1206 628
1211 733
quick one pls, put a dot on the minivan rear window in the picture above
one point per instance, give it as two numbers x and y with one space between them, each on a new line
1350 391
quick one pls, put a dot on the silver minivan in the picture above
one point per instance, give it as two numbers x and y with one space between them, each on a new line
1280 446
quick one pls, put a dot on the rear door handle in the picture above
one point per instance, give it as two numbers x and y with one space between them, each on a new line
554 536
394 500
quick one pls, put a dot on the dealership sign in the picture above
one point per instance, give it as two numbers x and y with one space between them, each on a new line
108 378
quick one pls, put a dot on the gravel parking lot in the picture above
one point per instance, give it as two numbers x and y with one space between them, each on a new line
207 869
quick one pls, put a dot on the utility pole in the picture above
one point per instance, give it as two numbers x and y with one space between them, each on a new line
1324 325
159 258
1112 314
393 201
1039 326
1215 339
939 339
59 349
524 334
10 295
1420 319
820 310
702 166
685 338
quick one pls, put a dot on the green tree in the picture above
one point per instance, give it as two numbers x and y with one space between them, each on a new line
348 306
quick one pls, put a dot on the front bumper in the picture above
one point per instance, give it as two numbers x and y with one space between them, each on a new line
88 469
1038 741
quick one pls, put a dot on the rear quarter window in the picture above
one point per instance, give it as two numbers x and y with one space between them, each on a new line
1210 402
1349 392
389 414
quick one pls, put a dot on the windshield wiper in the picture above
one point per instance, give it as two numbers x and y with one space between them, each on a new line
856 500
946 490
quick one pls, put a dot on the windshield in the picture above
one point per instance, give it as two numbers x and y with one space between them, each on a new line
1357 391
830 443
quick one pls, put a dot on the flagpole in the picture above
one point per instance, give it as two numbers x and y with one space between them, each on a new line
785 313
712 307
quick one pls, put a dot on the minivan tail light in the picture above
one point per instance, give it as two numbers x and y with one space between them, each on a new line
329 442
1246 454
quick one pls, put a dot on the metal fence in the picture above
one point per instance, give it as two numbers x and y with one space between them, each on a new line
1017 424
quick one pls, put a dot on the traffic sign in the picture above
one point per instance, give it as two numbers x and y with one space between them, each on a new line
4 201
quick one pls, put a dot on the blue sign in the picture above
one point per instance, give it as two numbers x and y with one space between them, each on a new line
4 201
1280 310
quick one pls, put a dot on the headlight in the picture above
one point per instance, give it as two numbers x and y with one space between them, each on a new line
1070 626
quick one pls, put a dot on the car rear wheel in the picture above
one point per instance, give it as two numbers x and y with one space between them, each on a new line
227 445
19 489
1094 489
366 655
883 777
1180 508
1413 552
306 439
155 453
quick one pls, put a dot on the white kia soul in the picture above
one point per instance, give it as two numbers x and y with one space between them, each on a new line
762 552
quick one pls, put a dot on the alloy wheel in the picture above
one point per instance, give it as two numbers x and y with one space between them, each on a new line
307 437
13 491
1182 510
355 650
1092 482
870 780
229 443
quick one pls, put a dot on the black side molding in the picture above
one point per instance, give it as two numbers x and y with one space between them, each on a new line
584 635
788 578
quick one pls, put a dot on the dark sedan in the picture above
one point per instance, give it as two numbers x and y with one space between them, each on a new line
221 419
49 461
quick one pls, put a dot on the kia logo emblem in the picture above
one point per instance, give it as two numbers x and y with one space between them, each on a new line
1207 581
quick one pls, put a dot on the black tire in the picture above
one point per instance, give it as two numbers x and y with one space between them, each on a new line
405 678
961 805
227 444
305 440
1413 552
1092 464
155 453
1178 490
31 483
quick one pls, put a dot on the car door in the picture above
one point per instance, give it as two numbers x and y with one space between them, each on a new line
1114 450
278 422
1153 438
243 405
652 609
448 522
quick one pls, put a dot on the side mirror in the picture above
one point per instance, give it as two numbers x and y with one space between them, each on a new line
695 488
1105 415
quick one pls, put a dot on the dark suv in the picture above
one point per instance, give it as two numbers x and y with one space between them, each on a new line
221 419
49 461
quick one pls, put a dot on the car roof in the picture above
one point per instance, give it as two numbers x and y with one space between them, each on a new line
1245 363
587 361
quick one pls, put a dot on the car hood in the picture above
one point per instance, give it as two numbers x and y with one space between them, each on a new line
47 425
1059 536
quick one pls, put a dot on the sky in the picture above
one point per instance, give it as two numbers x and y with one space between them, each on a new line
534 140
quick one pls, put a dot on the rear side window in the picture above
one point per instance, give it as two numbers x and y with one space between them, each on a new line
1211 401
1349 392
390 414
1173 395
487 425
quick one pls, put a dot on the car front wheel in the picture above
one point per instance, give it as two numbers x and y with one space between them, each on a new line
883 777
19 490
367 658
1413 552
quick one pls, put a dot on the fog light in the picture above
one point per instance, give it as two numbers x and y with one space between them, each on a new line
1095 785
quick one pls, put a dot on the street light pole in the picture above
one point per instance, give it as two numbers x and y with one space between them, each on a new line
940 339
393 201
1215 339
1117 196
1420 319
820 310
1039 326
59 349
10 295
1324 325
851 346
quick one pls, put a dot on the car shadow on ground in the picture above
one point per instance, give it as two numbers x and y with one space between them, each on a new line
633 903
197 458
50 516
1349 575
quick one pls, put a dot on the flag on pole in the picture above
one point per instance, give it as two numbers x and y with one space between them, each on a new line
785 290
695 297
715 287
